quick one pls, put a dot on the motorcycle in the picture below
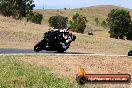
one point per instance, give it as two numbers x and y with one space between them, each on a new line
55 40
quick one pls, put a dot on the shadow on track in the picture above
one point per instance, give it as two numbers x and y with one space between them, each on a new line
30 51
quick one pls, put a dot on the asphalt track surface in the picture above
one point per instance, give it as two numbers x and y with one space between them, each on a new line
14 51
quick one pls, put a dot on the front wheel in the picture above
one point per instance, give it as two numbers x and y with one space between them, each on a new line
40 46
37 48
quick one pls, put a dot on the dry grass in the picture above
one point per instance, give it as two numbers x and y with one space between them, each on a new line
97 44
19 33
67 66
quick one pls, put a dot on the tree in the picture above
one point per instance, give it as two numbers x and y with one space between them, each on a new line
81 9
78 23
65 8
119 21
16 8
29 6
58 21
73 25
129 34
97 20
35 17
104 24
6 7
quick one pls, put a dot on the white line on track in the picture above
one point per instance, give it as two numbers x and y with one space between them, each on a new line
58 54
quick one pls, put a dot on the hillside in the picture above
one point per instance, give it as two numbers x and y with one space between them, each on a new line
91 13
20 34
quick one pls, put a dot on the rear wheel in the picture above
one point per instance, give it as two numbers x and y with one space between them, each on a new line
61 49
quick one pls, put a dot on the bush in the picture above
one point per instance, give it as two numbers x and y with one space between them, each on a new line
81 9
65 8
73 25
59 22
119 21
35 17
96 20
78 23
104 24
80 28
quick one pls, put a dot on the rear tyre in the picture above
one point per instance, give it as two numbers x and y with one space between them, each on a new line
61 49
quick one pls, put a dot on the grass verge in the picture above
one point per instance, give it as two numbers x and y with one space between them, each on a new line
17 74
28 71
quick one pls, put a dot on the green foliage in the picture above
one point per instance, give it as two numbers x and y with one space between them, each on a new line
18 74
97 20
104 24
35 17
59 22
16 8
5 7
20 8
119 21
129 34
73 25
81 9
65 8
78 23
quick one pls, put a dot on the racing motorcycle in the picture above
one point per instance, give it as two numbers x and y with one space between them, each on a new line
55 40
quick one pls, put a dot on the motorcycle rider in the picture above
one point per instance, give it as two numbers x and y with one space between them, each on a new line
65 35
55 40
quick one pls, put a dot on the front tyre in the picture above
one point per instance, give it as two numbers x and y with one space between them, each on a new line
37 48
40 46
